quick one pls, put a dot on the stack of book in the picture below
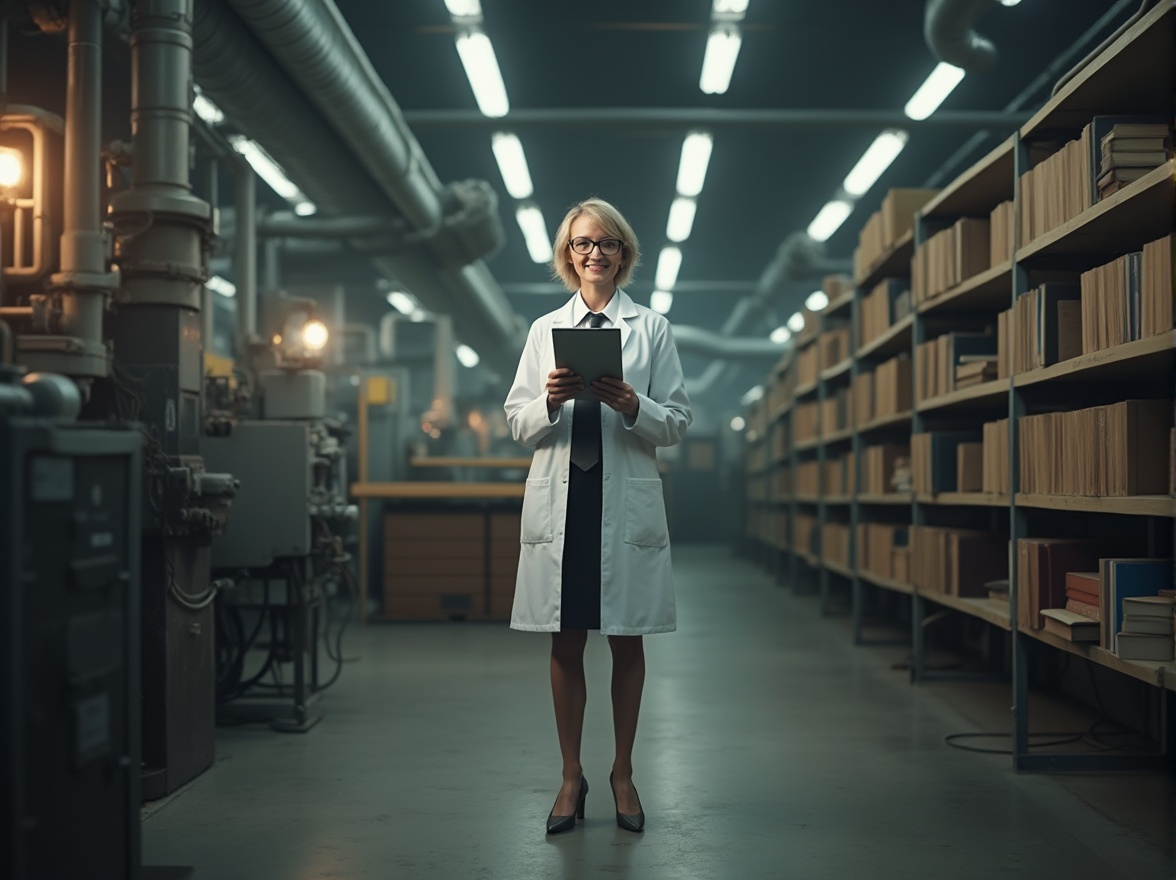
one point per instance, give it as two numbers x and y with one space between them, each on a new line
975 369
863 398
1129 152
1146 632
1048 323
808 366
887 225
1082 594
892 387
950 257
937 361
1000 223
1069 626
879 464
834 346
835 543
1121 580
935 460
1056 189
808 478
1129 298
806 421
884 306
957 562
995 470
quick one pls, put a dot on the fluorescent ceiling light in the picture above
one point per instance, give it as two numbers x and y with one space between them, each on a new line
1009 2
481 67
729 8
418 315
796 322
305 208
467 356
402 302
464 8
722 48
221 285
780 335
696 153
752 395
530 220
829 219
738 423
206 109
943 79
669 261
660 301
681 219
874 162
816 301
271 172
512 165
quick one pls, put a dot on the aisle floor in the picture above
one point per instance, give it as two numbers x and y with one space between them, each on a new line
769 747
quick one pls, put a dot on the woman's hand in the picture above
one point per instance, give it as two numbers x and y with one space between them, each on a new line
562 386
618 395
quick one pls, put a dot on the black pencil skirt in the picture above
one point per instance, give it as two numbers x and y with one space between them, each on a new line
580 590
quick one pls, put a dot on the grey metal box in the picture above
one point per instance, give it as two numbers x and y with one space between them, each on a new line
269 517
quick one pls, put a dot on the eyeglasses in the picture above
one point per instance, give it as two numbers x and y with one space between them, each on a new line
608 246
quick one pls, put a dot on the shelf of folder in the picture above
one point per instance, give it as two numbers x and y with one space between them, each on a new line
988 610
1139 212
896 499
895 263
1143 358
984 394
838 436
986 292
886 583
964 499
1130 505
892 421
1157 674
894 341
836 370
1115 81
975 192
837 568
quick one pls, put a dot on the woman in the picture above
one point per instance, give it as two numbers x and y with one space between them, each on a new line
595 552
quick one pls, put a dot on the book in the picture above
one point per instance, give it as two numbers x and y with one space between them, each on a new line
1149 606
1085 609
1121 127
1127 578
1153 626
1121 143
1132 646
1069 626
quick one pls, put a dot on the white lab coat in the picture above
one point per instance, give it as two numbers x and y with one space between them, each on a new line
636 584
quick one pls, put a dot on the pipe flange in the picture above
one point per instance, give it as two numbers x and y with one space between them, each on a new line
137 201
164 269
67 355
97 282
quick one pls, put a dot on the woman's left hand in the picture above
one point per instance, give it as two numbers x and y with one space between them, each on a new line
617 395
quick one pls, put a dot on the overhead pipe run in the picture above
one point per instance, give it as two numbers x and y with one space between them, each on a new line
237 72
696 340
245 258
949 29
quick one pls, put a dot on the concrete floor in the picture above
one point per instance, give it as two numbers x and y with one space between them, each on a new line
769 747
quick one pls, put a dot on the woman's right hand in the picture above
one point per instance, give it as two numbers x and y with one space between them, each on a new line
562 386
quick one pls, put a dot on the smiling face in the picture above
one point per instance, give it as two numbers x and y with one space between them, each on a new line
594 268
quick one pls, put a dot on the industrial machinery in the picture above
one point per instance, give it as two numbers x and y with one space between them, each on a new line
284 548
69 674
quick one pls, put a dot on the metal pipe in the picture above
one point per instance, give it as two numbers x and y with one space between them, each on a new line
245 258
675 118
311 40
83 250
289 225
273 265
948 28
706 342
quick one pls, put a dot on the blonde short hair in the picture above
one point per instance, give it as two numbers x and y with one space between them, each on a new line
613 223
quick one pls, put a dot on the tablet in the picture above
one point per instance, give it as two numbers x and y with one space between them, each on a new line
593 354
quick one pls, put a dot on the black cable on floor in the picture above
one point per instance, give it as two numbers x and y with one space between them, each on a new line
1067 738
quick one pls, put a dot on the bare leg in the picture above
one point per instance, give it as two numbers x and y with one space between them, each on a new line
570 694
628 680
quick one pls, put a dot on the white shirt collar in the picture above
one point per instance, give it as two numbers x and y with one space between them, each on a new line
612 311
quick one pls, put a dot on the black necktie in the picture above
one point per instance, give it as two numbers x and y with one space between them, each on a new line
586 422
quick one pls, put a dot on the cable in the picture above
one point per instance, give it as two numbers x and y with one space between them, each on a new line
1067 738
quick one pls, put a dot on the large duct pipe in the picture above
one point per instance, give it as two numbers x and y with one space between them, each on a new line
949 29
238 73
313 43
245 258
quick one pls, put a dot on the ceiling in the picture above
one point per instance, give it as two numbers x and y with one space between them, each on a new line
762 184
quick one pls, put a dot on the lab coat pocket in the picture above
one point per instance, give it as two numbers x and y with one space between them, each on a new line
537 512
645 513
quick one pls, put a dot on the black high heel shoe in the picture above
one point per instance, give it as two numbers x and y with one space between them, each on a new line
556 824
628 821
